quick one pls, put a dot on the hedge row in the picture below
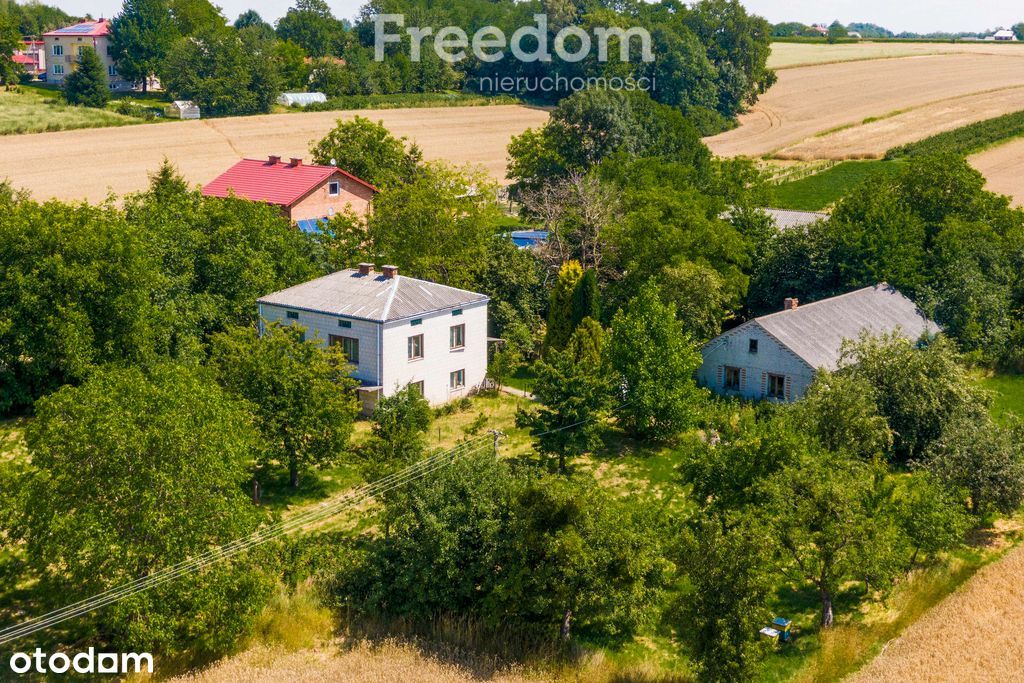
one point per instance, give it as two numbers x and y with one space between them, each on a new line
966 140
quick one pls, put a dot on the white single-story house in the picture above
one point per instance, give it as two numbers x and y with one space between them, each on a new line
300 99
182 109
395 330
776 356
1003 34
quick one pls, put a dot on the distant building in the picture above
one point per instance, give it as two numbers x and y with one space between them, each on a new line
787 219
182 109
301 99
776 356
395 330
306 193
32 57
1002 35
64 44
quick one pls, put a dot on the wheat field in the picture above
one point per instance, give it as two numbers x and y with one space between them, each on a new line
90 164
1003 168
790 55
859 109
972 635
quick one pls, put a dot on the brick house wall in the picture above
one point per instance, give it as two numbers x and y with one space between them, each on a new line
320 203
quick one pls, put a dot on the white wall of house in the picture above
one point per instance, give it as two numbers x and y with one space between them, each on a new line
383 348
732 350
439 359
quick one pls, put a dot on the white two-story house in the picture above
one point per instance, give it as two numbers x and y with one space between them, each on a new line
395 330
776 356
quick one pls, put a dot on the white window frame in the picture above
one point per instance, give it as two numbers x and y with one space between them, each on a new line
457 331
777 379
457 380
111 70
334 188
58 69
58 50
414 344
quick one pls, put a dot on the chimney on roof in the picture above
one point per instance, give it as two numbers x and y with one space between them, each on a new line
390 271
274 159
790 303
295 161
365 268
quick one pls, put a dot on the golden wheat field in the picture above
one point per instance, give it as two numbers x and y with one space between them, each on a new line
861 108
789 55
1003 168
89 164
973 635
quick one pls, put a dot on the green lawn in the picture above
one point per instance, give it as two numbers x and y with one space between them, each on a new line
823 189
1007 394
37 110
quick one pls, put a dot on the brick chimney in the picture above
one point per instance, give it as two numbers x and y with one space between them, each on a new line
274 159
790 303
295 161
365 268
390 271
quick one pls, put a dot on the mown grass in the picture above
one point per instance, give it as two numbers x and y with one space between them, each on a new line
404 101
1007 395
33 110
821 190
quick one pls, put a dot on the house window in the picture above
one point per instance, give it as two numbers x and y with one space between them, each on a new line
292 315
417 321
345 323
752 348
58 51
456 336
334 188
58 69
350 345
776 386
732 378
416 347
417 387
457 311
111 70
457 379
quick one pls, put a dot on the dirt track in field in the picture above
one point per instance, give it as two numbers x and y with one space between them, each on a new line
1003 168
973 635
89 164
912 97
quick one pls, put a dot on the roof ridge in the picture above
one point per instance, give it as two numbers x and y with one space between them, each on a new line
391 297
827 299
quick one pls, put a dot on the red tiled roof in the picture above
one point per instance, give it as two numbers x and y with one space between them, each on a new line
23 59
279 183
86 28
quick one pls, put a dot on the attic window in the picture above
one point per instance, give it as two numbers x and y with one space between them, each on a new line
292 315
417 321
752 348
345 323
334 188
457 311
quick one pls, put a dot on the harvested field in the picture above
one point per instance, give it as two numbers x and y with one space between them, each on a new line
118 159
789 55
1003 167
912 97
973 635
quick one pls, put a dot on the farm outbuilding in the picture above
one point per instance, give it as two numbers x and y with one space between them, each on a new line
300 99
183 109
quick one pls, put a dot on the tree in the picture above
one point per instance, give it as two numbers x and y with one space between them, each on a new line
932 516
700 296
438 225
918 390
572 388
586 299
400 423
87 83
560 309
291 65
194 16
653 362
310 24
731 576
986 461
836 31
224 71
1018 30
175 453
250 18
369 151
303 396
841 412
140 37
10 40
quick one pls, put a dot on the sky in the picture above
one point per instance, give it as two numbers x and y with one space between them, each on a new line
921 16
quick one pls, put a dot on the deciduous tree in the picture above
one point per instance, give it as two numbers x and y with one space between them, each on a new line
140 37
368 150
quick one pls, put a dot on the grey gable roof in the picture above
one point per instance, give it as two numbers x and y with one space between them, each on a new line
371 297
787 219
815 332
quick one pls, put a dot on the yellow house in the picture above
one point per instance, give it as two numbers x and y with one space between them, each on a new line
64 45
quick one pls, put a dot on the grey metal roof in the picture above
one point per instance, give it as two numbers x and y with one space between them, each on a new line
371 297
786 219
815 332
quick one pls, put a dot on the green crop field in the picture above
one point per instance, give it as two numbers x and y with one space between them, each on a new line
821 190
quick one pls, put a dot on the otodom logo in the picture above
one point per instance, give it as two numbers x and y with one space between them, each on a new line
88 662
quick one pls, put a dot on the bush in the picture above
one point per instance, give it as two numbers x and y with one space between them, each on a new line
134 109
966 139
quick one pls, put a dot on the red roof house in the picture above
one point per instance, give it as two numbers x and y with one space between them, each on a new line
85 28
306 193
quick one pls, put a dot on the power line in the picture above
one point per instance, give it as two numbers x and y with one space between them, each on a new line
221 553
